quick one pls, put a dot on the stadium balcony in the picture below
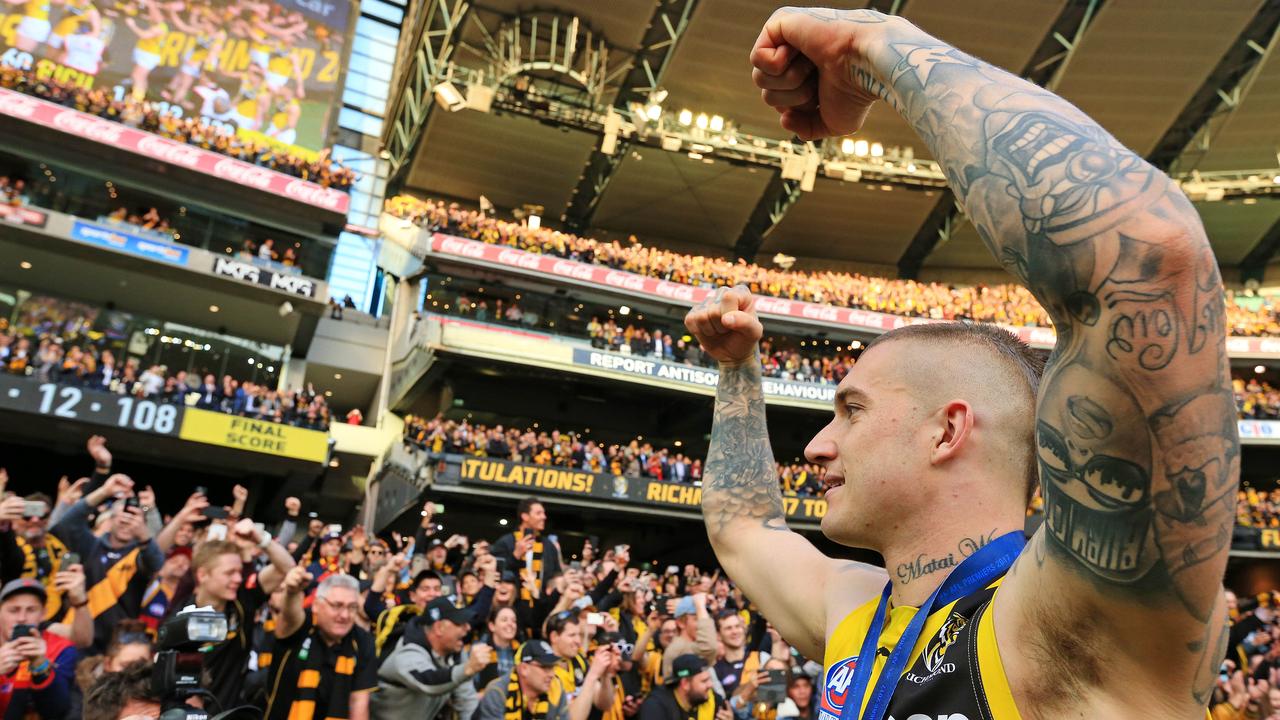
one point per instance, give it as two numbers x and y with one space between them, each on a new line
44 131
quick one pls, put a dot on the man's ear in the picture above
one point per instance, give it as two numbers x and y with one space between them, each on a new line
955 425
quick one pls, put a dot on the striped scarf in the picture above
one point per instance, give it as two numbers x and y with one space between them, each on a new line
515 708
537 564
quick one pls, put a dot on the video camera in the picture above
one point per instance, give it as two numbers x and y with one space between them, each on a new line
179 663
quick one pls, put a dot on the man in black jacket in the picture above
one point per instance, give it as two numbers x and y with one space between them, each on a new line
529 539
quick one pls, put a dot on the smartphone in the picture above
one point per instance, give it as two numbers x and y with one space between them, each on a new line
132 502
619 549
217 532
439 508
595 541
202 490
214 513
595 618
334 529
575 566
773 687
21 631
34 509
501 565
313 515
69 559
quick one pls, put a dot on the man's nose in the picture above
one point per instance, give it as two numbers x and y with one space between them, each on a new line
823 446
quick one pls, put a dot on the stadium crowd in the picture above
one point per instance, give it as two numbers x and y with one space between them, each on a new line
1256 399
638 458
318 617
1258 508
152 117
53 341
1006 304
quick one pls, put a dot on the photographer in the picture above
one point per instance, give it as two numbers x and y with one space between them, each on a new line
37 668
327 666
220 584
428 668
124 694
119 564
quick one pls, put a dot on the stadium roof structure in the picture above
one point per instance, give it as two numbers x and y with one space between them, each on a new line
1193 86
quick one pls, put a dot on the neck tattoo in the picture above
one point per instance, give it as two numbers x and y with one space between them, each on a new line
924 564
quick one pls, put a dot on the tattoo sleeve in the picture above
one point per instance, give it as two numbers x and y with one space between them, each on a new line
740 480
1136 428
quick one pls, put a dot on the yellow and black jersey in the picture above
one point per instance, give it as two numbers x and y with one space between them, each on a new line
954 670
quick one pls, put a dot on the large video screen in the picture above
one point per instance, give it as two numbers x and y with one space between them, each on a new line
263 69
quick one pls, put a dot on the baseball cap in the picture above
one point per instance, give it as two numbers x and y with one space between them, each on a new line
23 585
583 603
330 536
538 651
685 606
685 666
442 609
509 577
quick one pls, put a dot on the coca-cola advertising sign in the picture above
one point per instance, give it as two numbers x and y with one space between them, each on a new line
828 315
89 127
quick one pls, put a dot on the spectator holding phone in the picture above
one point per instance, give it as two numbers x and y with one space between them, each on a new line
686 693
697 632
37 667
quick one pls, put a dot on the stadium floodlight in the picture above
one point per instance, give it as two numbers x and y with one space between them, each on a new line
1259 369
624 310
480 97
717 123
659 94
846 146
911 167
703 121
784 261
877 150
653 112
860 148
447 95
686 117
1276 179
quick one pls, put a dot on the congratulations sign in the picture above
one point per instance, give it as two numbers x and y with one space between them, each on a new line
616 489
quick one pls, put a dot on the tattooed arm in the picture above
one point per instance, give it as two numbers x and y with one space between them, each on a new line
800 590
1135 422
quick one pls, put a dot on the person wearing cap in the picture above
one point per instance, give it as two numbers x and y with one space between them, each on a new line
428 669
687 695
327 560
325 666
37 667
530 691
697 632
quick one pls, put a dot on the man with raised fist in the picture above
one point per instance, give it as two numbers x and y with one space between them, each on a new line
940 431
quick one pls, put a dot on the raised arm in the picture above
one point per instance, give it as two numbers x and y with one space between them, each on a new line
742 503
1135 425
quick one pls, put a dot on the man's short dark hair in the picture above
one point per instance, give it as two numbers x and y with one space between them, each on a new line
112 692
526 505
426 575
1026 362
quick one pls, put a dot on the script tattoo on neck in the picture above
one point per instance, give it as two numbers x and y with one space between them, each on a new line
740 478
923 565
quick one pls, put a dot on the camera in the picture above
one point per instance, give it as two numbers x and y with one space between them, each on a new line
179 663
773 687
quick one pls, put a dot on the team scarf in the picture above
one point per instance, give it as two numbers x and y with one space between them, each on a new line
537 563
515 708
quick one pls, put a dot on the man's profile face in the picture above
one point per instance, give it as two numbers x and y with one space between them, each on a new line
699 687
535 519
868 447
568 642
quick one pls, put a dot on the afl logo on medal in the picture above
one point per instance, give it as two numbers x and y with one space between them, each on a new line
835 689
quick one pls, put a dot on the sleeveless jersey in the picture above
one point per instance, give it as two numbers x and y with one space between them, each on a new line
953 673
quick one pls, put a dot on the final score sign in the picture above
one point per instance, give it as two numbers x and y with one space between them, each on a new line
254 435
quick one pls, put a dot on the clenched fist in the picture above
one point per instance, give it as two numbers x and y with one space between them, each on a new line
726 325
